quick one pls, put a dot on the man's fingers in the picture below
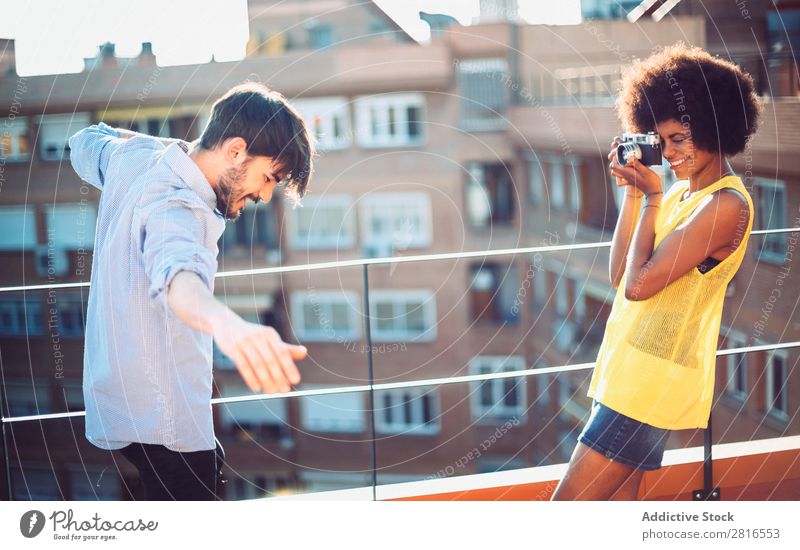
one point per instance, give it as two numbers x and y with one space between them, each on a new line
285 363
246 371
297 352
261 370
274 363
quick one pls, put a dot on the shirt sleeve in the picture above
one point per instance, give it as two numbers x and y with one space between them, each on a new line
173 242
90 151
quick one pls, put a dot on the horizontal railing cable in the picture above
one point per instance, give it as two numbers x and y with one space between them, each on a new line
381 261
409 384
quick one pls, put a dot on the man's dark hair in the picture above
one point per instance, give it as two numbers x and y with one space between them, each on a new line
715 99
270 126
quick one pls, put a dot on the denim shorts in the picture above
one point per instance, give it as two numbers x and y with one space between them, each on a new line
623 439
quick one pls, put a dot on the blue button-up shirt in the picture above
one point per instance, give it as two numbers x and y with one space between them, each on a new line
146 376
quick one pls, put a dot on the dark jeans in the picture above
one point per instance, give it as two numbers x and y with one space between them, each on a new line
170 475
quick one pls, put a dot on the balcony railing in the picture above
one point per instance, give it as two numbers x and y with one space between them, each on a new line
371 387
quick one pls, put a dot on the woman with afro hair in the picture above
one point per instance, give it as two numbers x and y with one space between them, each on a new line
672 257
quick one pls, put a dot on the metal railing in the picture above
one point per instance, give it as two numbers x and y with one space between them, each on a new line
708 492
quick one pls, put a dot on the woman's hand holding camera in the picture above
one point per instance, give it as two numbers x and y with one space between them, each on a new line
640 179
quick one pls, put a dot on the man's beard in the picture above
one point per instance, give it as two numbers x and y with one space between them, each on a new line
229 190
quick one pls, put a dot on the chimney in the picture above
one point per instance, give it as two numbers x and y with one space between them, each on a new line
8 59
108 57
146 57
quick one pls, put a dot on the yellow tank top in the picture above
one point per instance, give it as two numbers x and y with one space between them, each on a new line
657 360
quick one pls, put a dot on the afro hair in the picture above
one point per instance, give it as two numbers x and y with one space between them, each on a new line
713 98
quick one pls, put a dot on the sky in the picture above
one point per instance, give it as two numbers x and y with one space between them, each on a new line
53 36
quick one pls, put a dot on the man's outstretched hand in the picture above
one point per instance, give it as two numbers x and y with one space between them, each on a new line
265 362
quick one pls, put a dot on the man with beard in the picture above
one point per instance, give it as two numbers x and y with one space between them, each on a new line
152 314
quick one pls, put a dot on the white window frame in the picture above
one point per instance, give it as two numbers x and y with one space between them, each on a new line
356 417
13 129
377 135
735 339
21 221
498 411
84 217
344 239
417 425
782 415
390 206
52 128
321 115
399 298
778 209
325 299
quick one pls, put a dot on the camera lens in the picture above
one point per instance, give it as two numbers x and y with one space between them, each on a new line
627 151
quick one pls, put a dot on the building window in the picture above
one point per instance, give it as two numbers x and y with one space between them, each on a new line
326 316
14 143
338 412
27 397
70 396
408 411
396 221
771 214
390 120
535 180
540 287
257 227
493 290
320 36
402 315
328 118
21 317
71 316
483 88
267 418
17 228
253 308
736 368
562 295
323 223
93 483
556 183
490 195
777 391
55 131
70 226
500 398
573 169
35 483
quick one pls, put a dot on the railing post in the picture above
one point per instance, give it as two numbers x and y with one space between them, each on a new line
5 465
371 382
708 492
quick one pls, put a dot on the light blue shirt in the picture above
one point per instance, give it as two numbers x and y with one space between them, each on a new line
146 376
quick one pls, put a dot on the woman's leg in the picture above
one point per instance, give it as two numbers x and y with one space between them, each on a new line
592 476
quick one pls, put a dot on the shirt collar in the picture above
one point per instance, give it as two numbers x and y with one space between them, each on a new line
177 156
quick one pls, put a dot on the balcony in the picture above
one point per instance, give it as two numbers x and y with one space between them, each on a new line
421 425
